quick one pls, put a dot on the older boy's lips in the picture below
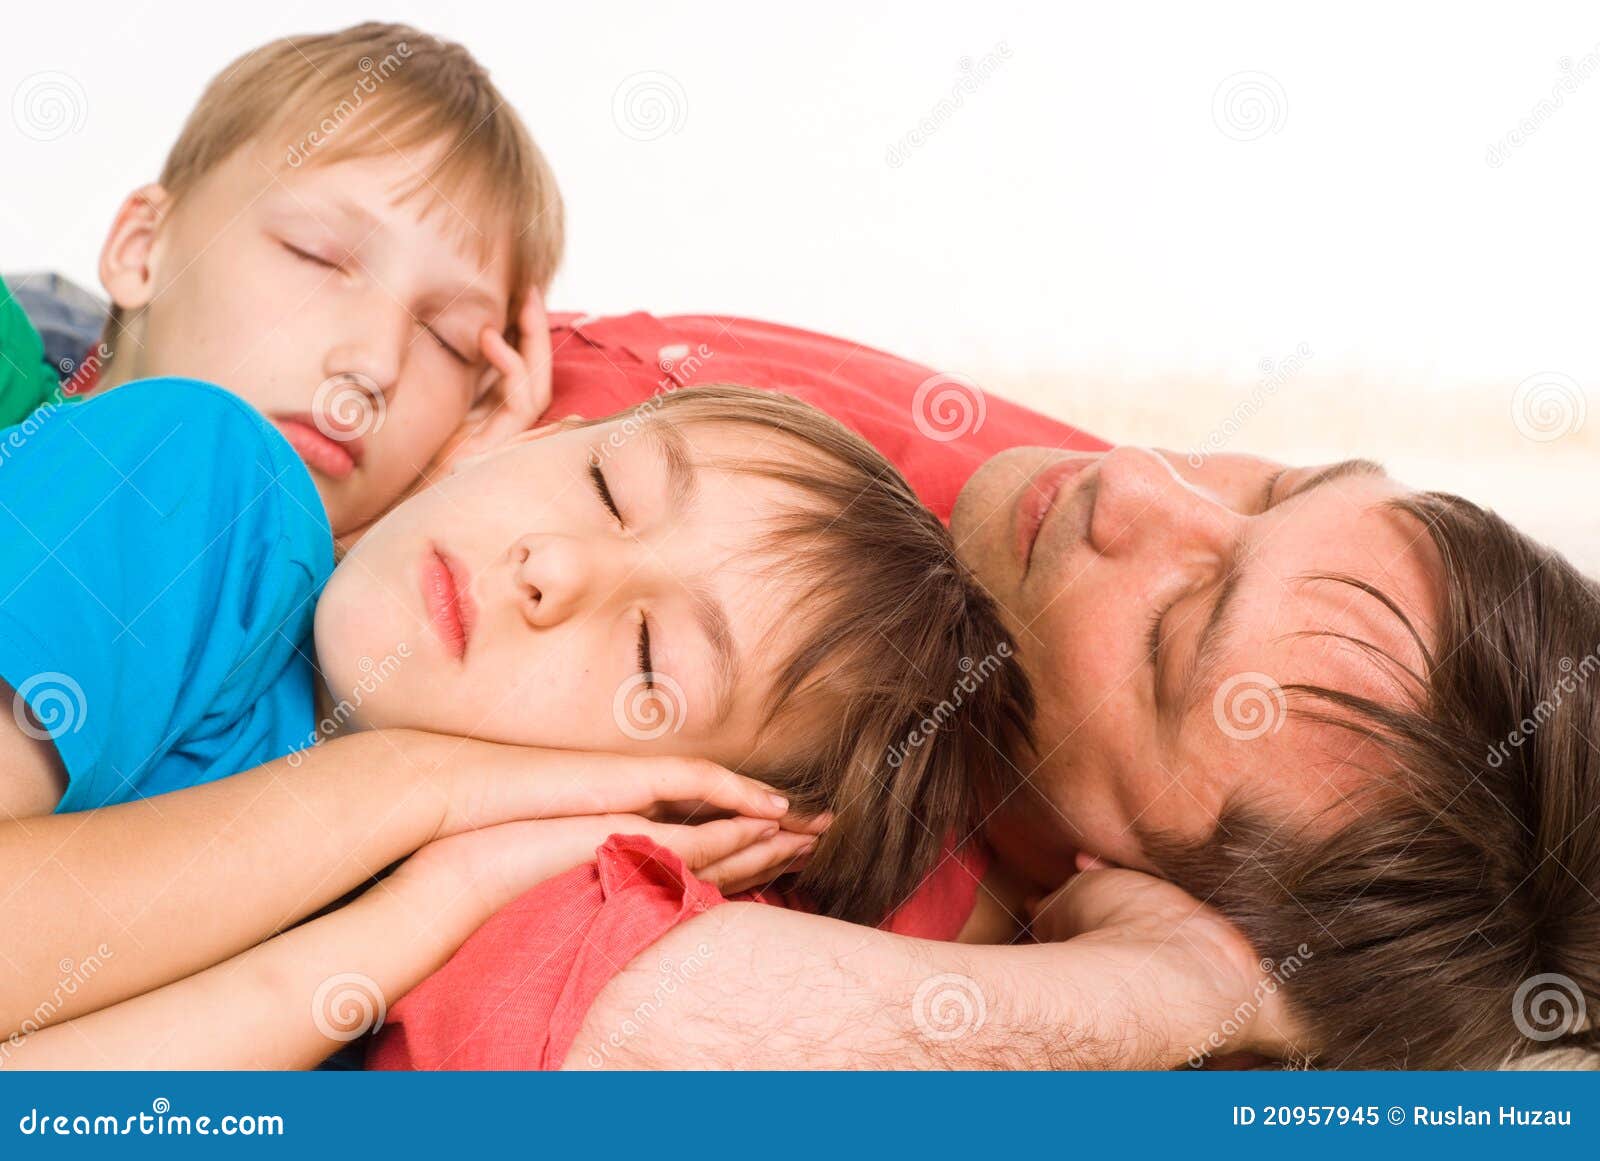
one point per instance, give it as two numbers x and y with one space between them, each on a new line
1036 500
444 595
332 457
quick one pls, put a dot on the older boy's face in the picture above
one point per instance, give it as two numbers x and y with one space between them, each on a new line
1160 609
570 590
348 317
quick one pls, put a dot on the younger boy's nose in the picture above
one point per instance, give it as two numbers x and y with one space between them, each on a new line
552 573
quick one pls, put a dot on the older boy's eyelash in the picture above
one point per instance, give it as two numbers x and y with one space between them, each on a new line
307 256
602 489
451 351
1153 638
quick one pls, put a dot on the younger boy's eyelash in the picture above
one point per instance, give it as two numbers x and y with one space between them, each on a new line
602 489
645 668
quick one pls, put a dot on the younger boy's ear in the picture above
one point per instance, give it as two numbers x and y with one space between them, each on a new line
126 270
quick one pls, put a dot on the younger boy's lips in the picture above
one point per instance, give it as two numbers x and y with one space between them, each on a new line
446 600
332 457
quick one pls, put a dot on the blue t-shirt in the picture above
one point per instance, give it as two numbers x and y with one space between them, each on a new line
161 552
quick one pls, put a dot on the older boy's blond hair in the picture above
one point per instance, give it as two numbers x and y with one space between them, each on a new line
383 88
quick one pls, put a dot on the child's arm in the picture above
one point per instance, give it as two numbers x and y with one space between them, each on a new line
160 888
293 1000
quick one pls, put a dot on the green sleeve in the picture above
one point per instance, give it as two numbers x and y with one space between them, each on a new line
26 380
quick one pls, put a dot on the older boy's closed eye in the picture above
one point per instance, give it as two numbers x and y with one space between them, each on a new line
343 230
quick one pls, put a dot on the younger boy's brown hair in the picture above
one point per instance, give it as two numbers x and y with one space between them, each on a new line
375 89
904 696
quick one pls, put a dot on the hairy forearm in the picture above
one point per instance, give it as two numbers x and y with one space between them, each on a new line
152 891
750 986
287 1003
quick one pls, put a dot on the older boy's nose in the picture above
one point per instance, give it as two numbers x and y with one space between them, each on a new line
1141 505
374 347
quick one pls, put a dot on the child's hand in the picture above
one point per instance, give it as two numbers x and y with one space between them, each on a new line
516 386
494 865
485 784
1196 965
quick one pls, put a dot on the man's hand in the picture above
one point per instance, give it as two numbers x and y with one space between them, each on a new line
1198 971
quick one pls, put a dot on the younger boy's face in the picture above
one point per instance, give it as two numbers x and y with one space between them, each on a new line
586 588
349 317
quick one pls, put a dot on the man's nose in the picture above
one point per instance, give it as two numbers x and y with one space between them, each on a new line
1141 504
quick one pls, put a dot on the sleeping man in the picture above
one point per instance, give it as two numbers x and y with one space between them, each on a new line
1285 690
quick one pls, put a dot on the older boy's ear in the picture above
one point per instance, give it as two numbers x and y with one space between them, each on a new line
126 268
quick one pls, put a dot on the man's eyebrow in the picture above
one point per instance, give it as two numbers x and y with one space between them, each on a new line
1212 643
683 483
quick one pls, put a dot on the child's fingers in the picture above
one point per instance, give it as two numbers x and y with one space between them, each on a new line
534 326
709 843
683 780
515 407
758 863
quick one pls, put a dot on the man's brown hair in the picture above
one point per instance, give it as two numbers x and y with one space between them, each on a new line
378 89
903 691
1455 923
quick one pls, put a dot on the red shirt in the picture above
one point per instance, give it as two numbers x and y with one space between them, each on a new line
516 993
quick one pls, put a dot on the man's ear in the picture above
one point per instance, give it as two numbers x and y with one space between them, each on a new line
126 268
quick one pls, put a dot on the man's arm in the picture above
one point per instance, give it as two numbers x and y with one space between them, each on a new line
1149 976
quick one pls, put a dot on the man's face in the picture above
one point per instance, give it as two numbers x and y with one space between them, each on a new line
1159 610
345 312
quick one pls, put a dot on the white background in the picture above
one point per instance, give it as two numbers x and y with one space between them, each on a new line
1086 230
